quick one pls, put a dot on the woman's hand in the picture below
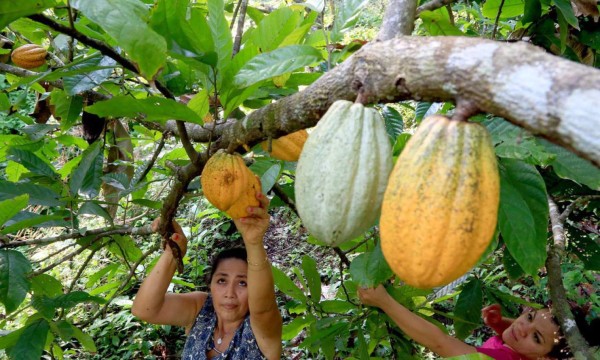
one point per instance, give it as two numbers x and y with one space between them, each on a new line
254 226
178 236
492 315
373 296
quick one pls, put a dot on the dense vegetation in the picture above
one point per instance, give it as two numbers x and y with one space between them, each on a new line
136 95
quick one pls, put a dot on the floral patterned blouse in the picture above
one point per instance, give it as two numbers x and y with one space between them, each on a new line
200 340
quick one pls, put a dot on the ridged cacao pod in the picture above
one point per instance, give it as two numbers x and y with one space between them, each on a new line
224 179
342 173
248 198
29 56
441 204
288 147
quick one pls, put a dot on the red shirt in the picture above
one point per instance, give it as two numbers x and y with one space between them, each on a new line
495 348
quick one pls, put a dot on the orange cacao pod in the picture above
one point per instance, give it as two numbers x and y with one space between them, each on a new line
29 56
288 147
224 179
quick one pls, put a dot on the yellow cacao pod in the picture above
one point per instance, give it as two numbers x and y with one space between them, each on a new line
248 198
342 173
288 147
29 56
440 206
224 179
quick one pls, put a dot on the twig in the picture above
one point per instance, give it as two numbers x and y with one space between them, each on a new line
54 253
342 255
497 20
81 269
567 211
240 26
558 294
286 199
68 257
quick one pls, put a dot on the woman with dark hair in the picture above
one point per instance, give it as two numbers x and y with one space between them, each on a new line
533 335
239 318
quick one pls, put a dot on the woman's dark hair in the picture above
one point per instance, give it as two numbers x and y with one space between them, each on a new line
589 331
233 253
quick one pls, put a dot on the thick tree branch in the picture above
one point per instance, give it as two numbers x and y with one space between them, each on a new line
399 19
547 95
558 294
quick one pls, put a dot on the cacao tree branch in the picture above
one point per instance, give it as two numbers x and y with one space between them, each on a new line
497 19
567 211
286 199
82 269
342 255
65 258
399 19
240 26
562 310
125 230
547 95
433 5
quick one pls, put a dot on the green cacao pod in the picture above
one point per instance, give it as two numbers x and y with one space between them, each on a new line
440 207
342 173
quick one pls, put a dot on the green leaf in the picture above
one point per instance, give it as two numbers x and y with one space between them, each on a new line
510 8
12 10
421 110
126 22
567 165
294 327
346 16
394 124
67 108
11 207
513 269
14 284
309 268
85 179
523 214
533 11
32 162
46 285
4 102
287 286
437 23
84 339
92 208
269 171
219 29
277 62
30 344
33 220
87 80
586 249
336 306
566 10
125 247
370 268
274 28
154 108
468 308
38 195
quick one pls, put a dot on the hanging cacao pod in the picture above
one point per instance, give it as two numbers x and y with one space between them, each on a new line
342 173
248 198
288 147
225 178
29 56
441 204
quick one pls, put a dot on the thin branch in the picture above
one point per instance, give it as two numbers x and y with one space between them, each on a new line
54 253
342 255
278 190
65 258
240 26
81 269
561 307
497 20
583 199
185 141
125 230
235 12
433 5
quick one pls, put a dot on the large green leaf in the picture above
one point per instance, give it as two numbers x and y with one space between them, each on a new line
182 27
154 108
12 10
276 62
67 108
30 344
14 284
11 207
86 179
309 268
566 10
32 162
126 22
287 286
533 11
29 220
346 16
219 29
47 306
510 8
570 166
125 247
523 214
370 268
468 308
394 124
38 195
293 328
87 80
93 208
46 285
275 27
437 23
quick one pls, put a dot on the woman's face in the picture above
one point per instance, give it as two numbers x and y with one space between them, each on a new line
533 334
229 289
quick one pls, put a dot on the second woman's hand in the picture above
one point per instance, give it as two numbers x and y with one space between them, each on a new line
178 236
254 226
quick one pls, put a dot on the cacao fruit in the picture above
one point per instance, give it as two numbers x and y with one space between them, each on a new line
342 173
248 198
440 207
29 56
225 179
288 147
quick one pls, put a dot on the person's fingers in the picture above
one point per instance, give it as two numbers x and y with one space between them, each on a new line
263 200
176 227
155 224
